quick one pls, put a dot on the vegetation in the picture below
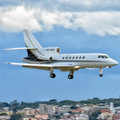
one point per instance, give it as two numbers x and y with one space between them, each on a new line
15 105
56 116
3 114
15 116
73 107
4 104
94 115
31 105
94 101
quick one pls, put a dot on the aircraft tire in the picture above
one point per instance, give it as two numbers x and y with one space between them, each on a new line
70 76
101 75
52 75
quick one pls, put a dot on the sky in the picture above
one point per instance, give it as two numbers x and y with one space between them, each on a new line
79 26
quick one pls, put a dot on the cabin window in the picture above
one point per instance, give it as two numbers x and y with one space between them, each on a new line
69 57
80 57
73 57
66 57
63 58
83 57
77 57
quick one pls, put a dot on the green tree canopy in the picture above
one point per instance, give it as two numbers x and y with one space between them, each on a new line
3 114
73 107
15 117
94 115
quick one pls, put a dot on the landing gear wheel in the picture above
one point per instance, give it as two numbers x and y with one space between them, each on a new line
70 76
100 75
52 75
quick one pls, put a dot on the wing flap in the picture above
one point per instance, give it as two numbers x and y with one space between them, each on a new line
39 66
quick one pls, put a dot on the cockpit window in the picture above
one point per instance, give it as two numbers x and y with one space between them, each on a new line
103 56
100 56
106 56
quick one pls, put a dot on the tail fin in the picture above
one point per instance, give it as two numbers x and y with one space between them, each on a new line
31 42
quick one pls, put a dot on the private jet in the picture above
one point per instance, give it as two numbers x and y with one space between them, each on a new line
50 58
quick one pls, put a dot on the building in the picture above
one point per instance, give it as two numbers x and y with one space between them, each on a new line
46 109
99 108
29 118
42 116
111 107
4 117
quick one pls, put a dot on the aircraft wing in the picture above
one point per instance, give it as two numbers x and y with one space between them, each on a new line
22 48
46 66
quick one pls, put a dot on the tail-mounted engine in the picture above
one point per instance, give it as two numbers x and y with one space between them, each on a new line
51 50
46 58
48 52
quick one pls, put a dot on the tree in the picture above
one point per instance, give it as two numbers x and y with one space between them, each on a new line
56 116
4 104
95 98
3 114
15 116
31 105
94 115
53 100
14 106
14 103
73 107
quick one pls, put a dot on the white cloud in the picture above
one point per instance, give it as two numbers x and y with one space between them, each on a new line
17 19
99 17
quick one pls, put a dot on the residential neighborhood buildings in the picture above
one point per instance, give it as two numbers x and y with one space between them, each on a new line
56 112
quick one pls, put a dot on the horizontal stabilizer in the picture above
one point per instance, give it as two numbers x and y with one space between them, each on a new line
22 48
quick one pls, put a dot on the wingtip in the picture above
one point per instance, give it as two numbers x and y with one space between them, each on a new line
7 63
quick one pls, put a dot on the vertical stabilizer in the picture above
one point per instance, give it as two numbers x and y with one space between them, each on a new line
31 42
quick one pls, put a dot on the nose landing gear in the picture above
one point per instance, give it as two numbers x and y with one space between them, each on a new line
100 71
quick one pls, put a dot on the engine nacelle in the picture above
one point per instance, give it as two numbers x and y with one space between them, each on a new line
51 50
46 58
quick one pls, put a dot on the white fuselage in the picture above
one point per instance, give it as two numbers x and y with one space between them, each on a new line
88 60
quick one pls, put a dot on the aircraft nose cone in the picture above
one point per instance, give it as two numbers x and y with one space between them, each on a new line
115 62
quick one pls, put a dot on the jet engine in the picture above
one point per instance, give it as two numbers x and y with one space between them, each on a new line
51 50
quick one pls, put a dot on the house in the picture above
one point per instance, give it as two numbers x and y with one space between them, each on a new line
4 117
78 111
29 118
42 116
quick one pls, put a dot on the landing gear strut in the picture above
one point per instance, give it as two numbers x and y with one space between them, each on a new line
100 71
52 75
70 76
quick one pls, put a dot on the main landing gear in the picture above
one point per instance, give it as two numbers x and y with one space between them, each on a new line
100 71
70 76
52 75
